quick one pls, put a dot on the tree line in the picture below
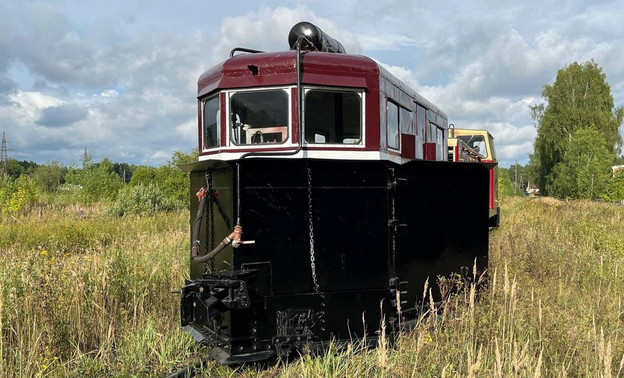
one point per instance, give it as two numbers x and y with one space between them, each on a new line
127 188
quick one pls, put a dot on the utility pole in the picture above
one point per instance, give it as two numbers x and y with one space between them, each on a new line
516 180
4 158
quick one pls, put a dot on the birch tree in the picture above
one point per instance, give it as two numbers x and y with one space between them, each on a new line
579 99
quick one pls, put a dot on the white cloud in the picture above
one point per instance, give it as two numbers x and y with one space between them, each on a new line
483 64
512 152
267 30
404 74
26 107
109 93
188 130
160 155
34 101
384 41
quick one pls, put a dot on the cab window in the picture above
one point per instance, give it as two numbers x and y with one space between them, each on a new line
211 125
259 117
333 117
476 142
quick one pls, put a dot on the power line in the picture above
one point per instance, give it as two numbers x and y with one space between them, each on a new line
85 158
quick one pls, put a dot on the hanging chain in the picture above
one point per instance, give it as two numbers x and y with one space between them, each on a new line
311 234
210 221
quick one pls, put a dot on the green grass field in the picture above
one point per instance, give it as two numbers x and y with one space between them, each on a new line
88 295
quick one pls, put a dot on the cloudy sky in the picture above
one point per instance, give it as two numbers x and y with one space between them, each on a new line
119 77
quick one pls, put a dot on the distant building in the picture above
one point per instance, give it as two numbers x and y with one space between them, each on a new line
530 191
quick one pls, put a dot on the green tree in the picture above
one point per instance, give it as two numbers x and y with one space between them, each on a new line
615 187
98 182
180 157
519 176
169 178
143 175
585 169
20 167
49 176
124 170
505 186
579 99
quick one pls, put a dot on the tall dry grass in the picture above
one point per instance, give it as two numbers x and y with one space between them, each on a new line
84 295
552 306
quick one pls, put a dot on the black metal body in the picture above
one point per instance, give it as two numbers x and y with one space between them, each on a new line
370 227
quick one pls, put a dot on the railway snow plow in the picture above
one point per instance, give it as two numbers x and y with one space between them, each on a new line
321 202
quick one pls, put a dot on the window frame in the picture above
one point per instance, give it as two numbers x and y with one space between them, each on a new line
478 138
203 103
361 93
243 146
421 115
440 142
398 124
407 126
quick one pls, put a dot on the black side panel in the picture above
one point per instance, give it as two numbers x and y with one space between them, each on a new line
349 223
444 210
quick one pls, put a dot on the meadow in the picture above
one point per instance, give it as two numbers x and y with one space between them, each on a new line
83 294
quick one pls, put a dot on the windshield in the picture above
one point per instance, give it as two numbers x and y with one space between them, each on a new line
259 117
476 142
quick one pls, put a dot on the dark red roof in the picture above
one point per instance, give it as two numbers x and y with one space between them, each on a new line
278 68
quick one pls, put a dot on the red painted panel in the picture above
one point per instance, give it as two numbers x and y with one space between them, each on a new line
338 81
408 146
492 183
372 116
491 188
430 151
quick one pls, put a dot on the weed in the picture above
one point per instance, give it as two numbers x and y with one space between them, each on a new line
87 295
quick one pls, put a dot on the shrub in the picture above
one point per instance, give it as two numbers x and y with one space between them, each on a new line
615 188
49 176
505 186
98 182
172 180
16 195
140 199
